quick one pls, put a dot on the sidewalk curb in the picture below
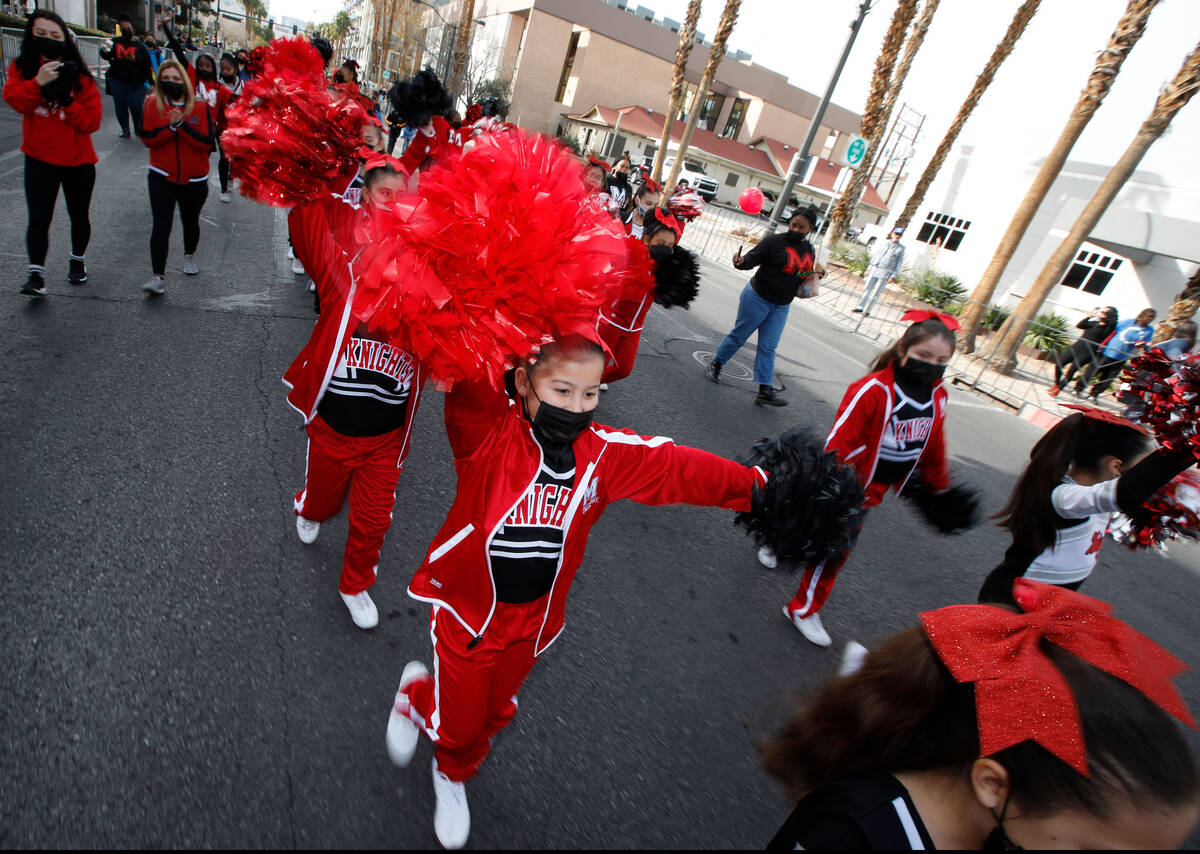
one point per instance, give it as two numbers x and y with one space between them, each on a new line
1040 417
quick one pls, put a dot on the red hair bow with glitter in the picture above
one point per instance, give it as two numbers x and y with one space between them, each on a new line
1019 694
593 160
670 221
917 315
378 159
1103 415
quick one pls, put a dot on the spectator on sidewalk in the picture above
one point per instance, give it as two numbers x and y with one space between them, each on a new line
1097 327
50 86
784 260
884 267
1129 337
617 183
129 73
180 133
156 54
1182 340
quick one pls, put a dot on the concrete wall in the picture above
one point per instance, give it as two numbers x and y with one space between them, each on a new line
543 46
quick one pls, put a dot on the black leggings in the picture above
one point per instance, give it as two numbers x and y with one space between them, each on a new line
163 196
42 181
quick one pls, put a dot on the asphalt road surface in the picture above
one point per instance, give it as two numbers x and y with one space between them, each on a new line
179 670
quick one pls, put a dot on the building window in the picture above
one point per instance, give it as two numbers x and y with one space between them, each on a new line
689 95
567 65
830 144
737 115
943 230
731 180
1091 272
710 110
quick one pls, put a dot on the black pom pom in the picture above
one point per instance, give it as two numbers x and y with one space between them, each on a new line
950 512
420 98
811 508
323 47
676 279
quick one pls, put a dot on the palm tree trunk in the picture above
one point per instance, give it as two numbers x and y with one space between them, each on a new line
376 23
687 36
1016 27
915 40
724 29
1129 29
1170 101
872 121
462 46
1184 308
385 49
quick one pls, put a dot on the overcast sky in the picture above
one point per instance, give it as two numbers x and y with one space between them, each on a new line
1031 96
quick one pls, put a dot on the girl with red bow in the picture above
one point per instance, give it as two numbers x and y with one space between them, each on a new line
992 728
891 427
1088 467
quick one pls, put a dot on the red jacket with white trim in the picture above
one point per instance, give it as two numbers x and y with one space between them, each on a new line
444 142
58 135
497 459
622 317
180 154
862 420
321 232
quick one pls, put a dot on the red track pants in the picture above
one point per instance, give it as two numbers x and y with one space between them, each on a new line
365 466
472 694
817 581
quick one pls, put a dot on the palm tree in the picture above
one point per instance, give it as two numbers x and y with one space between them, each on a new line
687 36
1129 29
1170 101
872 121
915 40
1184 308
462 44
715 54
341 29
1016 27
254 9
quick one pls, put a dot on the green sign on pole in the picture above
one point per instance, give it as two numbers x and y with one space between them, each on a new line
856 152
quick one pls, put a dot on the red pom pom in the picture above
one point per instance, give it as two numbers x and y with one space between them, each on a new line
686 206
287 140
1172 513
499 253
1168 393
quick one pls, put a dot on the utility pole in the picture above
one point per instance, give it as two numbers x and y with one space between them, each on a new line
802 161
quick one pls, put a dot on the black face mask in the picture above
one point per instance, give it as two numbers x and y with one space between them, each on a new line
339 77
172 89
998 840
661 252
229 78
556 426
126 32
918 372
206 75
49 48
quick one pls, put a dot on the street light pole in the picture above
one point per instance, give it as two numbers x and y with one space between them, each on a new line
802 161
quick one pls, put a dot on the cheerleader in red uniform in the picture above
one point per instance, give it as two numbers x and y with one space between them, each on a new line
890 427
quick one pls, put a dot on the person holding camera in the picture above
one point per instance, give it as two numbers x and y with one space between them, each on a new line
129 72
52 89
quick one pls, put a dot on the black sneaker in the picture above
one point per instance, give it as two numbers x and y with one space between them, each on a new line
78 272
767 396
714 371
35 286
123 135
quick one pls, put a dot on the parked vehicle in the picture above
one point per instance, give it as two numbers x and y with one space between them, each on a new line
696 177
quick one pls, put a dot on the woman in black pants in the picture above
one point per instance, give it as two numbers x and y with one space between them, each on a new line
179 131
50 86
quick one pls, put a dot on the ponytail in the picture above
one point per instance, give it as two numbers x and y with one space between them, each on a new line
914 335
1076 440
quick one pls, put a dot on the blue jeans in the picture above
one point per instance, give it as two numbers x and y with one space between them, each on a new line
871 293
754 312
127 98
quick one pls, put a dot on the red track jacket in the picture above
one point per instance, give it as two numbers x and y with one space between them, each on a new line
862 419
180 155
321 231
57 135
497 458
444 142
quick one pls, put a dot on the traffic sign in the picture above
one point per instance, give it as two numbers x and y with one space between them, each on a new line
856 152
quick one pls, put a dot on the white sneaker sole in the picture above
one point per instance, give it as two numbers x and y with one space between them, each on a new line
402 733
154 288
309 535
819 640
365 620
451 830
767 558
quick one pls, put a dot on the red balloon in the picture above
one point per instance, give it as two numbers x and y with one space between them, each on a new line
751 200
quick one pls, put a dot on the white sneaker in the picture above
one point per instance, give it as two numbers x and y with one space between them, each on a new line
189 265
154 286
362 609
291 251
451 816
226 198
402 733
603 386
297 267
766 556
852 658
312 286
809 626
307 530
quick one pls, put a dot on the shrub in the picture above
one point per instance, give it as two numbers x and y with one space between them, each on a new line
1049 333
995 317
572 145
940 290
855 259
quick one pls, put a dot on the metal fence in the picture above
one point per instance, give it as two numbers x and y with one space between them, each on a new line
721 231
10 49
